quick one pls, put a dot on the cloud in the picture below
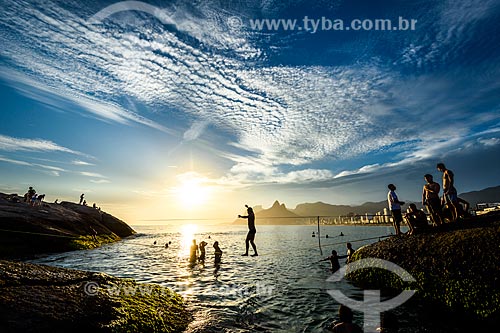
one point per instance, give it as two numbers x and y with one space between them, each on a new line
12 161
287 121
196 129
489 142
91 174
80 163
100 181
10 144
51 170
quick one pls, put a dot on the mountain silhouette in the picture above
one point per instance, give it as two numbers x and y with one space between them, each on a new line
276 214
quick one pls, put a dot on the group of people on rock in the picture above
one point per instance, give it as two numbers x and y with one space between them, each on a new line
449 205
33 198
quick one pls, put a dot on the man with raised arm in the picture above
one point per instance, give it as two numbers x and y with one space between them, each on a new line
251 231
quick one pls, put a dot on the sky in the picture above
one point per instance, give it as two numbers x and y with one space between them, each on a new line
187 109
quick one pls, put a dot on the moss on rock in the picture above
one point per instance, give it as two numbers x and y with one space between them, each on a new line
457 267
38 298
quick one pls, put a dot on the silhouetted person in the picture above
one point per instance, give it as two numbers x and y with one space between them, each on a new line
345 324
350 252
81 198
450 195
218 253
430 199
395 208
334 261
193 252
417 220
202 251
251 231
463 208
166 245
31 192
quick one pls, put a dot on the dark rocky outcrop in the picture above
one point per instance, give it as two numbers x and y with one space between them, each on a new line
27 230
38 298
456 266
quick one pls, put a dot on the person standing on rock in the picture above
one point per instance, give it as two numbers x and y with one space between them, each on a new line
251 231
395 208
430 198
31 192
450 195
81 198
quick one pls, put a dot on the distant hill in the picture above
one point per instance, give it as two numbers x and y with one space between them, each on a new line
490 194
324 209
277 214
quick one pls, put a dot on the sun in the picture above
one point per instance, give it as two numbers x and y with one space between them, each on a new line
192 193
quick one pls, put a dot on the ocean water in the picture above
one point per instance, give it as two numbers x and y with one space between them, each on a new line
284 289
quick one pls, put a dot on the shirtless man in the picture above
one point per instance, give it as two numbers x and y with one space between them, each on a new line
449 191
251 231
430 198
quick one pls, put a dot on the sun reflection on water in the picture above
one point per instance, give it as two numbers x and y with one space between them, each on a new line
187 235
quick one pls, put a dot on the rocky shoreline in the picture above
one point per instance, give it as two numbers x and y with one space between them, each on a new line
26 230
456 266
39 298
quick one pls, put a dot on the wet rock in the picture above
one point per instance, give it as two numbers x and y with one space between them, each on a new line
38 298
456 265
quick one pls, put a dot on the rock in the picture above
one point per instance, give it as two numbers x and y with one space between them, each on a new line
27 230
457 266
38 298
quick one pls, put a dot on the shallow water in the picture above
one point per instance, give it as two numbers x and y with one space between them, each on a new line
281 290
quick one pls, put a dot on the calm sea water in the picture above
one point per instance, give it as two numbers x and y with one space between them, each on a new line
282 290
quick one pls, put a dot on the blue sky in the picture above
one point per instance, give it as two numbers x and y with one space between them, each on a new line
168 110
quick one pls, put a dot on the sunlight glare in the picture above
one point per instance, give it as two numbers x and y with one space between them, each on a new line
187 236
192 193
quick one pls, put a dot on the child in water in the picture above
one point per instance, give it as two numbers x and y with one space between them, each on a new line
218 253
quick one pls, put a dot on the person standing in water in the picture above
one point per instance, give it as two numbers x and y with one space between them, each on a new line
193 253
202 251
218 253
251 231
350 252
334 261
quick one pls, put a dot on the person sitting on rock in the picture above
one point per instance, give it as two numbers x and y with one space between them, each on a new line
416 219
